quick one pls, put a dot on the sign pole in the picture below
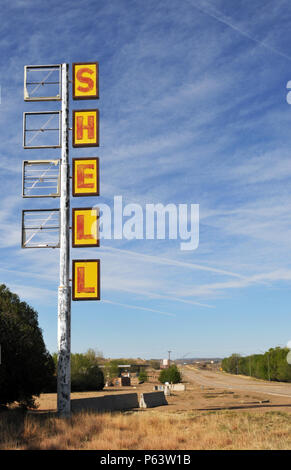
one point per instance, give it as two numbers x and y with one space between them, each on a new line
86 273
64 292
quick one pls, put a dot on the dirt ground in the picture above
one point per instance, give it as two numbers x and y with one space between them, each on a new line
197 397
217 411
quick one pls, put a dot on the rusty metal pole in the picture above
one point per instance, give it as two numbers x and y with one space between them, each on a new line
64 292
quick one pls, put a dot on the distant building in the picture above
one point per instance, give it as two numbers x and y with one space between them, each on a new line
165 363
123 370
122 381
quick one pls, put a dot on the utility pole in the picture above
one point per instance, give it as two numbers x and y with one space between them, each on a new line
64 292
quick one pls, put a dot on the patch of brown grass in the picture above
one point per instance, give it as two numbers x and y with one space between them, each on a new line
148 430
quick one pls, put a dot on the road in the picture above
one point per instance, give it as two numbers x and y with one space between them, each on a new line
232 382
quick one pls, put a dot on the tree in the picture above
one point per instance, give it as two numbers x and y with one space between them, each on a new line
272 365
111 369
154 364
27 368
85 373
171 375
143 377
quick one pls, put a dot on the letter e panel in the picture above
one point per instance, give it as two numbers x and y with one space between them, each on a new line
85 177
86 279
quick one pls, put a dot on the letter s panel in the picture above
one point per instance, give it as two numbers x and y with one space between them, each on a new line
85 80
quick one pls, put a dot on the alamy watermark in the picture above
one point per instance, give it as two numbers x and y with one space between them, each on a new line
288 96
154 221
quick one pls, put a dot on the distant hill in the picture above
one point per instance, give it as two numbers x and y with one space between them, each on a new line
190 360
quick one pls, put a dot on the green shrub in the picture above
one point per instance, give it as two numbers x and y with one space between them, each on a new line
86 375
85 380
171 375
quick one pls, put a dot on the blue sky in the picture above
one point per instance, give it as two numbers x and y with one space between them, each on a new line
192 110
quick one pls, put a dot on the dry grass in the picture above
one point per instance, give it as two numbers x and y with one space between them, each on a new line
146 430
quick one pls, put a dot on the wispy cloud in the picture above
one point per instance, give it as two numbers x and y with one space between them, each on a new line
33 294
136 307
221 288
223 19
172 262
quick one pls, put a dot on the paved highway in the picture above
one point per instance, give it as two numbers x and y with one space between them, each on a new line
232 382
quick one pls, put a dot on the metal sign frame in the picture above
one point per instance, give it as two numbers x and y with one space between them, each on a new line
86 97
49 68
74 261
41 177
41 129
94 144
39 228
87 194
